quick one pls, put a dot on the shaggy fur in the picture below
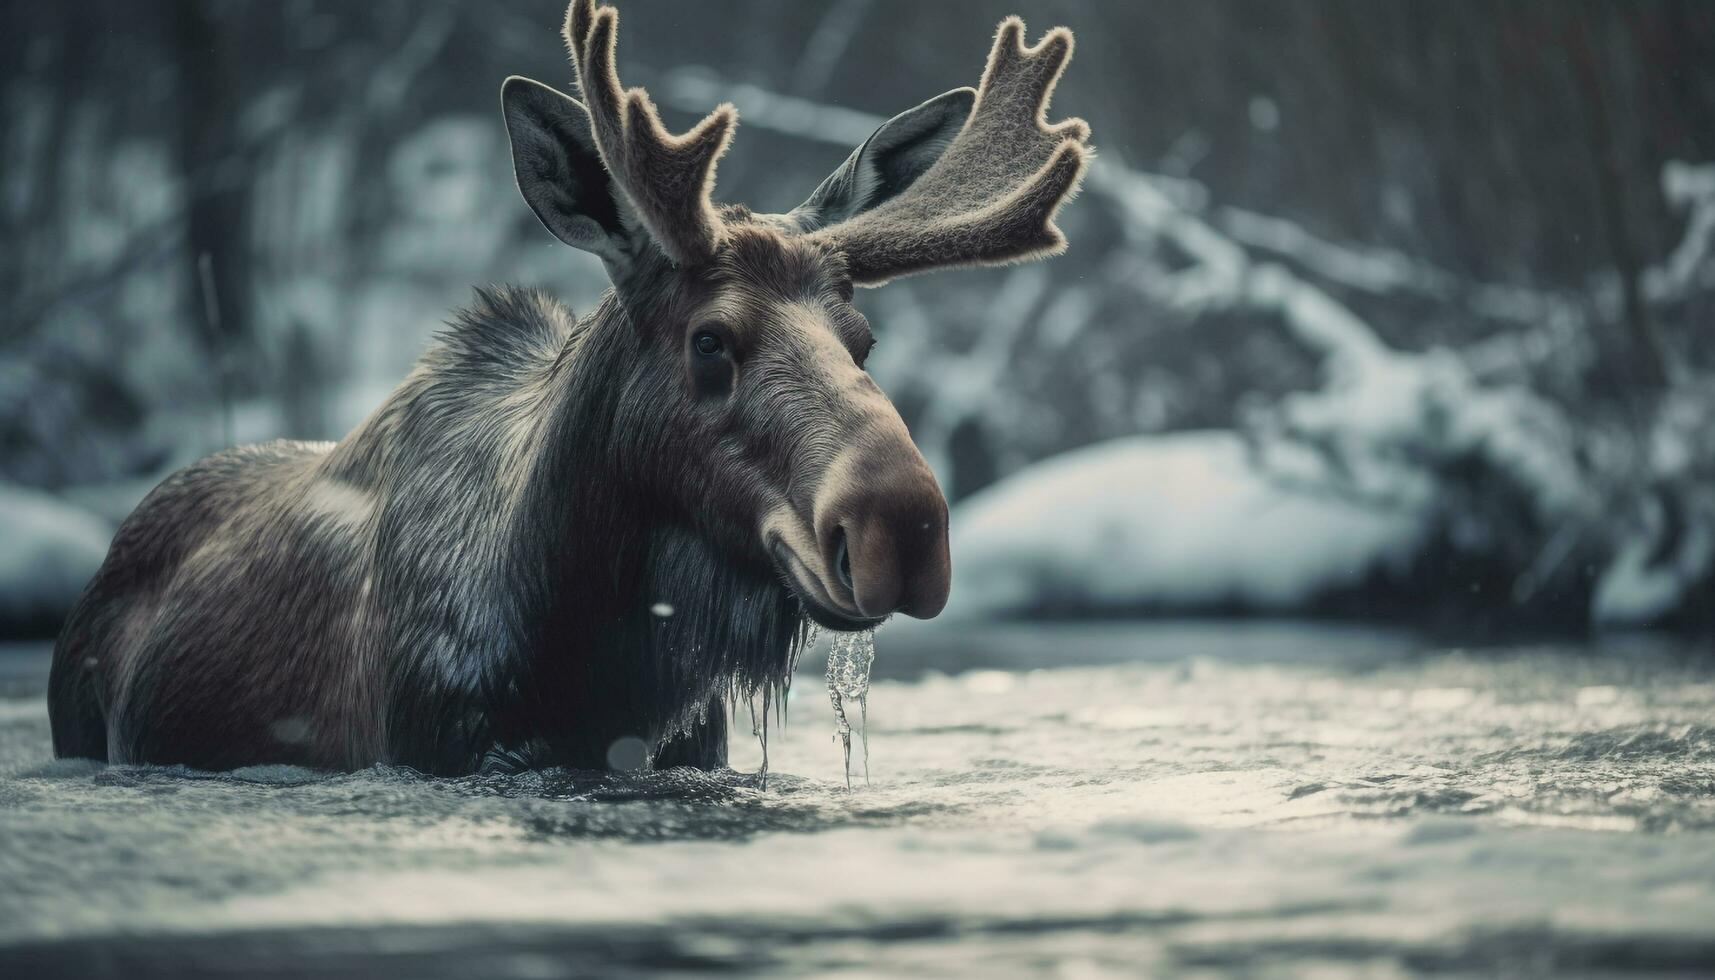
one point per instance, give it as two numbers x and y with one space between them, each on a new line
473 569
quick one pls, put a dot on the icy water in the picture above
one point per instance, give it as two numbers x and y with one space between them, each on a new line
1212 799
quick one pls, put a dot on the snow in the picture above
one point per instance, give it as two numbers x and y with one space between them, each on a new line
1641 587
1689 188
1181 521
49 552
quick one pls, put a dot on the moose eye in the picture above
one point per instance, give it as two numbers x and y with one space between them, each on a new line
708 343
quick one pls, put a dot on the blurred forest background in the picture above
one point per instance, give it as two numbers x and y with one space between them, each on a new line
1373 308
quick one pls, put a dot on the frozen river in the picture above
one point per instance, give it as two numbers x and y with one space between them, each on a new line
1223 798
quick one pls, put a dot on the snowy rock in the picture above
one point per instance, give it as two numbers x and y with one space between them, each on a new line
48 552
1179 522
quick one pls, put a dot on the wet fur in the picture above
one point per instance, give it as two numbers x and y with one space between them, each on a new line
470 572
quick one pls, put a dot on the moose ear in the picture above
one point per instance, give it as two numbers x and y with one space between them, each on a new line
561 174
888 162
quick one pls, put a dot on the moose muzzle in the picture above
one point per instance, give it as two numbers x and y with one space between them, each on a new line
881 525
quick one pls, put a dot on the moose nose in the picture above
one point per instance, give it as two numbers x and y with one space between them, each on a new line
886 534
843 560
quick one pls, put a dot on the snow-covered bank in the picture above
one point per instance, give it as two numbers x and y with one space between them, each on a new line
1180 522
1215 522
48 551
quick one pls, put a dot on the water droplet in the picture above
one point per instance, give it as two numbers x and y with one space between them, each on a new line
1264 113
662 609
291 731
628 753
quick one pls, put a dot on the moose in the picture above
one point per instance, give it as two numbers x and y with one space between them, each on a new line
561 532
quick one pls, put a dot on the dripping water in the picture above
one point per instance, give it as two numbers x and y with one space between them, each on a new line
842 731
850 657
759 730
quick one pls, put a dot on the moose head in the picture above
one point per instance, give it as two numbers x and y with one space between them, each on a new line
751 411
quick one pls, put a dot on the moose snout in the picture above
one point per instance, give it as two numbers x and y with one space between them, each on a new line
882 526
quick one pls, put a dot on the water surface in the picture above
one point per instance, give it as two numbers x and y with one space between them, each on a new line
1242 799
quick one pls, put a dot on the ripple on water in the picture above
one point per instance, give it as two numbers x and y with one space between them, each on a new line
1224 808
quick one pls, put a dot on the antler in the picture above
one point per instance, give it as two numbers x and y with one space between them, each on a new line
992 195
666 178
